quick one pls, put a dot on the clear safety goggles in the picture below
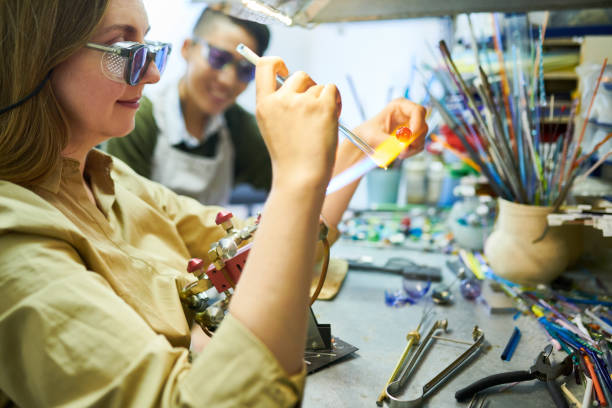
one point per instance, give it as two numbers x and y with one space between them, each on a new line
128 61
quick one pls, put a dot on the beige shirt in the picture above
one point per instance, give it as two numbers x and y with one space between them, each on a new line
89 306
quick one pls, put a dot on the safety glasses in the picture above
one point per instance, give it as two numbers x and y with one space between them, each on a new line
218 58
128 61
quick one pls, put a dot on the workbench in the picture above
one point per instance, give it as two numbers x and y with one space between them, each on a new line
359 316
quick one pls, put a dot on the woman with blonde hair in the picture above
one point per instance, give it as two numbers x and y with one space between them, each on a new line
92 255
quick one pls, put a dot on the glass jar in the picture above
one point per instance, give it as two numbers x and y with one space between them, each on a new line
414 177
471 218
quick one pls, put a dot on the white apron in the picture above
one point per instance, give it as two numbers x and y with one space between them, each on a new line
207 179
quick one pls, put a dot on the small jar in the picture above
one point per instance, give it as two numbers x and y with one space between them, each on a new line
382 186
414 172
455 172
471 217
435 179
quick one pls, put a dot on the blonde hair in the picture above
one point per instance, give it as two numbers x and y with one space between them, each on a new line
36 36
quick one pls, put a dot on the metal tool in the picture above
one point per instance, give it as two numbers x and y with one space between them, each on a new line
478 402
542 370
413 338
398 265
443 295
209 296
395 387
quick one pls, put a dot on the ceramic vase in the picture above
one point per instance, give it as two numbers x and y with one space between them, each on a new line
513 255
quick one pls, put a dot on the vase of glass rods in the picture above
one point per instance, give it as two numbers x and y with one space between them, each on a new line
513 254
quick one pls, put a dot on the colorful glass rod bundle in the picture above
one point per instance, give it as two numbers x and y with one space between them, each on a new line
503 122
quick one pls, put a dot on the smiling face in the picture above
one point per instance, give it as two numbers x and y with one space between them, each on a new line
212 91
96 107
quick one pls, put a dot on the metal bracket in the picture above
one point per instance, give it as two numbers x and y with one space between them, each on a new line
319 335
397 386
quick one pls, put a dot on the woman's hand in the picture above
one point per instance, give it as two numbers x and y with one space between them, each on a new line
399 112
299 123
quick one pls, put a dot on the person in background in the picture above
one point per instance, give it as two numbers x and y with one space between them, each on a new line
192 136
92 254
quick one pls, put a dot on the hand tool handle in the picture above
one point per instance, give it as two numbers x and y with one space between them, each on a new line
468 392
408 271
555 393
363 266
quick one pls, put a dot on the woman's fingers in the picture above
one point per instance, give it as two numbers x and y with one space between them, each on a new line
265 75
412 115
407 113
331 94
299 82
315 91
289 116
338 99
417 122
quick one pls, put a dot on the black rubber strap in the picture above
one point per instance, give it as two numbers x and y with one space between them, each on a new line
28 96
468 392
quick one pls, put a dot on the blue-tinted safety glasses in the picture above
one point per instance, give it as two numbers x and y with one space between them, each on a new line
218 58
128 61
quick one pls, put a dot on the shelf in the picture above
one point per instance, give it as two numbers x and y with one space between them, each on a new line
560 75
360 10
601 220
562 42
307 12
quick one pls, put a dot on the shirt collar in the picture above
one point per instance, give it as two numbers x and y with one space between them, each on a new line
215 124
97 163
51 182
174 128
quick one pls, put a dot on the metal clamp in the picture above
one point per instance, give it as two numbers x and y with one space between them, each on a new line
396 387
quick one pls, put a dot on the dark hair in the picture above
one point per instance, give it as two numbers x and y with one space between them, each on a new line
260 32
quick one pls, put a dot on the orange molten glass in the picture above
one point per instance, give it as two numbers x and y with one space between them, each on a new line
387 151
403 134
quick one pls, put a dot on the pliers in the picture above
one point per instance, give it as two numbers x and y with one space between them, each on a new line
542 370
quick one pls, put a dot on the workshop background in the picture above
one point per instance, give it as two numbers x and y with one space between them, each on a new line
430 235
